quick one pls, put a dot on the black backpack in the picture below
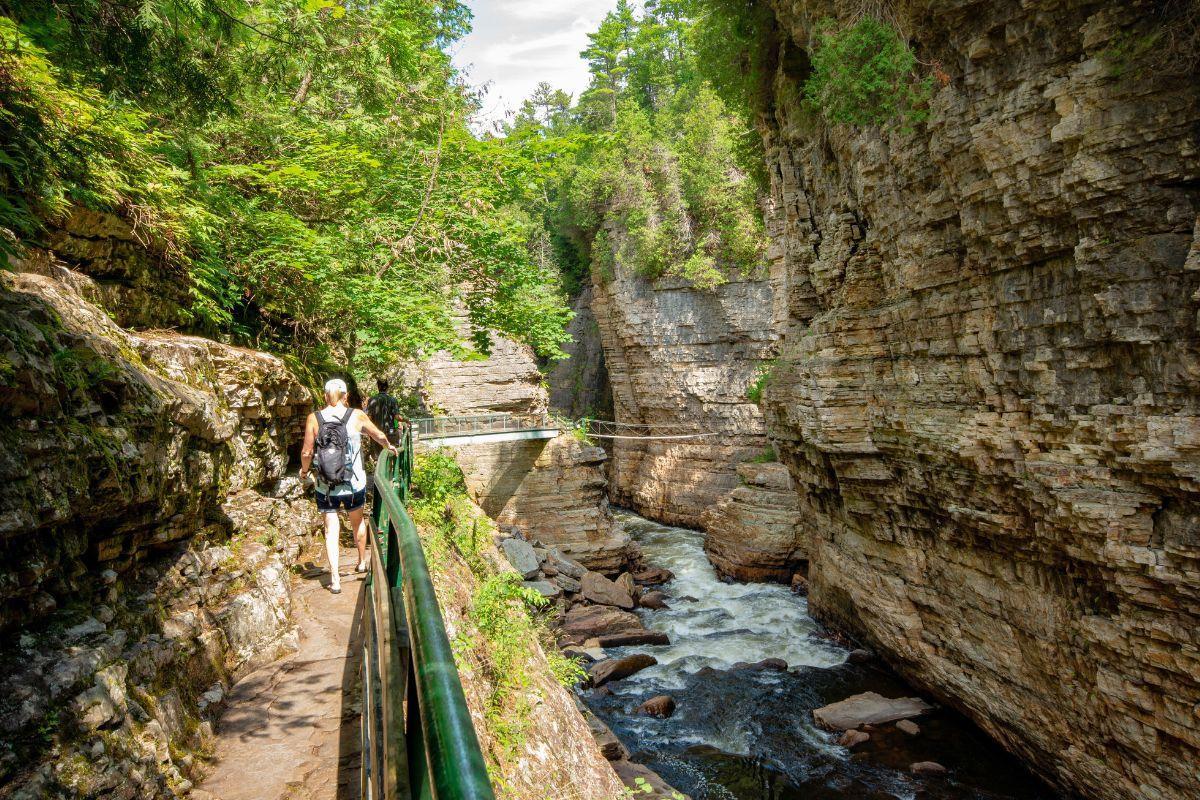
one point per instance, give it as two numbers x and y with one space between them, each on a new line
333 440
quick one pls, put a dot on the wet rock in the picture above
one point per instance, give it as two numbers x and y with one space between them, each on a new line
927 768
547 589
599 589
643 781
578 653
584 622
607 742
851 739
637 637
859 656
661 706
867 708
653 576
615 669
625 581
908 726
653 600
520 554
767 664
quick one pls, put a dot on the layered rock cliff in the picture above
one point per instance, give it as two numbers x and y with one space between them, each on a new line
987 391
681 359
148 534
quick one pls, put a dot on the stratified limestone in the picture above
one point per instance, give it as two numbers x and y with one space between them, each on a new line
681 356
506 380
552 490
147 532
987 388
119 444
754 533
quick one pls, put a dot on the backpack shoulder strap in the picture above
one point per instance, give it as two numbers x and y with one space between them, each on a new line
320 421
346 417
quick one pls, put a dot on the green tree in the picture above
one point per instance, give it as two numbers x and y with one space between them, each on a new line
306 166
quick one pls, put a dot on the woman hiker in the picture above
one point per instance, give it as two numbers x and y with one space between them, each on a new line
333 437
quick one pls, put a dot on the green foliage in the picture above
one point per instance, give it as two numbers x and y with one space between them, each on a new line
436 479
865 74
754 393
304 166
767 456
645 172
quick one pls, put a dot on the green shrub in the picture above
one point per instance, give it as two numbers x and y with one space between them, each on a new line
436 478
755 392
866 75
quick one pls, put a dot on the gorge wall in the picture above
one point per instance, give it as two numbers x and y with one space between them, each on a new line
148 528
988 389
683 357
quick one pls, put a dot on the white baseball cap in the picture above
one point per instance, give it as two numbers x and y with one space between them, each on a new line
336 385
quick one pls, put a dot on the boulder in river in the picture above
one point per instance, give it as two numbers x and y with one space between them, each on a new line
584 622
772 664
859 656
600 590
909 727
851 739
653 576
636 637
521 555
653 599
614 669
625 581
926 768
867 708
661 706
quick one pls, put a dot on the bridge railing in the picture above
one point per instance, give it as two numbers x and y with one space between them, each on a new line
417 735
468 424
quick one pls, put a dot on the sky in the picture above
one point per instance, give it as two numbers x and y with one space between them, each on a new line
514 44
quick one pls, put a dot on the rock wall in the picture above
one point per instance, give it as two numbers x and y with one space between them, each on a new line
147 538
506 380
681 356
554 487
987 393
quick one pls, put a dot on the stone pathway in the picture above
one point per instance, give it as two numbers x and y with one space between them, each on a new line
291 729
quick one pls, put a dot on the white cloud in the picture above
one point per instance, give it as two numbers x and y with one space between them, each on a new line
515 44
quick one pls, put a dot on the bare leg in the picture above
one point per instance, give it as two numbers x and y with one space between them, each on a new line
333 527
358 524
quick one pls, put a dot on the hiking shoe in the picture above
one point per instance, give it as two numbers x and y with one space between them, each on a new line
362 566
335 588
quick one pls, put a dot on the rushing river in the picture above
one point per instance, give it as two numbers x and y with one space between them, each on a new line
749 735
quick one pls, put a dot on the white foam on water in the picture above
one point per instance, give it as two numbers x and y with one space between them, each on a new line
719 624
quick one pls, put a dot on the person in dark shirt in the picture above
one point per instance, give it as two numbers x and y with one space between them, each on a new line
384 411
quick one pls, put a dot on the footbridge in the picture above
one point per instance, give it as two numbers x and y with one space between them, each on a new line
448 431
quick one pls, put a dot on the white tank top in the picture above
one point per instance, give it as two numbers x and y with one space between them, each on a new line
358 480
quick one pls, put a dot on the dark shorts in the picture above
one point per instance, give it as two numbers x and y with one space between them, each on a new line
349 502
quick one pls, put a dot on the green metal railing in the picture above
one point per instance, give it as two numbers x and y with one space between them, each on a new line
418 739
